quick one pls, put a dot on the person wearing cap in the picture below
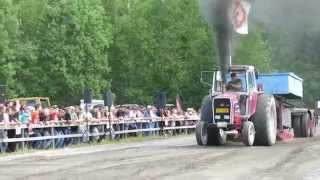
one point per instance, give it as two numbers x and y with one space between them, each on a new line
235 83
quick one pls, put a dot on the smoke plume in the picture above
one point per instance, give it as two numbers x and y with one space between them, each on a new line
218 15
294 17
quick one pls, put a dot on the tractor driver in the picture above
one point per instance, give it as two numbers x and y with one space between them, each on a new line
235 83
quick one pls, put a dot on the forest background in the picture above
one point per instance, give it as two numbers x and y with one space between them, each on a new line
136 48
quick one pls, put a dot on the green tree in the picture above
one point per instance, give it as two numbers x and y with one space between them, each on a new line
9 45
161 46
254 49
72 40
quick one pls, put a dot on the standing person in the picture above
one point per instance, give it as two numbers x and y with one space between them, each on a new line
81 114
147 116
4 117
73 114
13 114
175 121
24 115
161 113
67 115
35 115
99 113
94 113
17 106
88 116
54 113
78 112
44 114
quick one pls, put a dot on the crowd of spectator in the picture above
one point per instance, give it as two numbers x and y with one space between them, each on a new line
13 112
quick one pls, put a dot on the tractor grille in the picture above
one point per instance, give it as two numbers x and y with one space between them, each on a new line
222 110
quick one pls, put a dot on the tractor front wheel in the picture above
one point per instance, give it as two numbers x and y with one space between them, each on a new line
219 137
202 133
248 133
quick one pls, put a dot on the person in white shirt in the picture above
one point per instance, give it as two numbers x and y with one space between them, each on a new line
4 116
85 115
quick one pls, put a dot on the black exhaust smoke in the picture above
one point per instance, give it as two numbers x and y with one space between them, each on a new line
218 15
294 17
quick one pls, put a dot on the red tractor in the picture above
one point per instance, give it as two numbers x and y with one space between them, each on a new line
244 110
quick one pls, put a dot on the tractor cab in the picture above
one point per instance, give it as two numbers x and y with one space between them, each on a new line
244 76
239 89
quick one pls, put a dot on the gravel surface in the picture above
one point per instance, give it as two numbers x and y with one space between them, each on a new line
173 158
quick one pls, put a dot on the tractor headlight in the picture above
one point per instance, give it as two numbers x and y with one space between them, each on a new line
226 117
217 117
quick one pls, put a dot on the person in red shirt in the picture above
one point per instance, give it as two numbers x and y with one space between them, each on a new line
54 115
35 115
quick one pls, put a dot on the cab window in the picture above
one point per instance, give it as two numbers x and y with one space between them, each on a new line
31 103
44 103
251 81
240 75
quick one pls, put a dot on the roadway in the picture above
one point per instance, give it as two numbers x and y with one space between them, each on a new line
173 158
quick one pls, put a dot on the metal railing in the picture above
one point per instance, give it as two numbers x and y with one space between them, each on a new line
82 129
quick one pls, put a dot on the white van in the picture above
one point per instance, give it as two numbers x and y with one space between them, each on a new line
94 102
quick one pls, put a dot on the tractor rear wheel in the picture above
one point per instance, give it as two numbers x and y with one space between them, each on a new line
305 129
296 125
248 133
265 121
206 109
312 129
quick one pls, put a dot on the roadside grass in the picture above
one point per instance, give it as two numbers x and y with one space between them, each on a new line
129 139
105 141
20 151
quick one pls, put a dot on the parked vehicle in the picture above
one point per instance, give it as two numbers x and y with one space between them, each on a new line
32 101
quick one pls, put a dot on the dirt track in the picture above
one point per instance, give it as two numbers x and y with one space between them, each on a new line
174 158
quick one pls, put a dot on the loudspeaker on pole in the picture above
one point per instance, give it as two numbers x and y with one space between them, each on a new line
161 100
87 96
108 99
2 94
